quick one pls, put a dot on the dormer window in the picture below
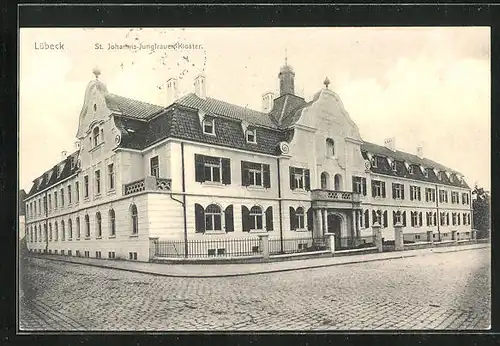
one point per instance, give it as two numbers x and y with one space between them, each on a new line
95 135
251 138
410 169
208 126
373 161
393 166
426 173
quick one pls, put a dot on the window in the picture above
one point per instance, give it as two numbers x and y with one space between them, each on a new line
410 169
213 218
464 218
62 198
70 229
111 177
443 196
56 237
212 169
398 191
208 126
255 174
77 221
77 191
396 218
299 178
45 204
63 231
447 219
367 218
426 173
378 188
35 208
69 194
454 197
468 219
112 223
256 218
428 218
359 185
95 134
330 147
414 218
394 166
86 186
98 224
465 198
154 167
377 216
97 182
134 219
299 215
442 218
87 227
250 135
430 195
50 231
415 193
374 161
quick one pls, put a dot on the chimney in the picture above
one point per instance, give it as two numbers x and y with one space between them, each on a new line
420 152
64 154
390 143
172 90
267 101
200 86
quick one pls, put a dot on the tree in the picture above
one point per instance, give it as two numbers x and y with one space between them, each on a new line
481 212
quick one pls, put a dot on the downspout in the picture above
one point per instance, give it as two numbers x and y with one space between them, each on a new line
438 216
279 205
183 202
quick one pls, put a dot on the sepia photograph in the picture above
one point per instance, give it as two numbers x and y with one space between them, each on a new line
254 179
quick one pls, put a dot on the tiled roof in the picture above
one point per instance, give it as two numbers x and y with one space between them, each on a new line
52 177
131 108
284 108
401 171
217 107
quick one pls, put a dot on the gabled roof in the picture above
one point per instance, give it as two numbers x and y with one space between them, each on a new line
131 108
284 108
51 177
402 156
218 107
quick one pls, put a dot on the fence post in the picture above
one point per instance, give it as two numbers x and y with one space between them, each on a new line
398 237
332 242
377 236
264 244
152 247
430 237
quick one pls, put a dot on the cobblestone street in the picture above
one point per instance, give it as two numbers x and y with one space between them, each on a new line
440 291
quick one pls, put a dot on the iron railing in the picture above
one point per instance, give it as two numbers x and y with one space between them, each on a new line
296 245
208 248
348 243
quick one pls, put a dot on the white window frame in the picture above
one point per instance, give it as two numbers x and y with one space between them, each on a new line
209 122
251 133
154 171
253 176
212 216
414 192
378 187
398 217
300 179
97 182
300 218
95 136
255 218
111 176
86 186
212 166
398 190
414 219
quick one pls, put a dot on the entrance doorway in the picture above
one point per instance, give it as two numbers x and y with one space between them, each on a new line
335 226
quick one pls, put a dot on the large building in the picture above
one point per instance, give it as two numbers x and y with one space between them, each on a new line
200 168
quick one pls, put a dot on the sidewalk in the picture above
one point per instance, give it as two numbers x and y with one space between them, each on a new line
225 270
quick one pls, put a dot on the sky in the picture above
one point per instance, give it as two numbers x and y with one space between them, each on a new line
423 86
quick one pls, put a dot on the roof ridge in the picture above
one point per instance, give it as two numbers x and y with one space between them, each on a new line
136 100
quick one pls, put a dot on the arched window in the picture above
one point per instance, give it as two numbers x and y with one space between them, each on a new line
36 235
324 181
338 182
330 147
70 229
299 213
87 226
56 237
112 223
95 134
208 126
213 218
98 225
134 219
77 221
63 235
256 218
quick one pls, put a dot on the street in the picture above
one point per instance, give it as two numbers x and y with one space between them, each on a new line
439 291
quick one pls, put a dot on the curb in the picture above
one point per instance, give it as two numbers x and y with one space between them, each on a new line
399 256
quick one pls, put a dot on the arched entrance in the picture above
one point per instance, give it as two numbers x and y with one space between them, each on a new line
335 226
338 182
325 178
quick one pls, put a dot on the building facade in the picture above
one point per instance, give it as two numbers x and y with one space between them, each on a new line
200 168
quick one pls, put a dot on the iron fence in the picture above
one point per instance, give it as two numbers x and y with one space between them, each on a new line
208 248
349 243
296 245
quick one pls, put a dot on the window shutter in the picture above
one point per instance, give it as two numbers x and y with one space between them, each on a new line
393 217
403 216
447 219
373 189
364 186
393 191
383 189
229 218
292 179
458 219
199 212
310 219
367 219
385 219
307 180
269 219
244 174
426 196
226 171
411 219
293 219
412 189
435 219
418 194
374 216
353 184
267 176
420 218
199 168
402 191
245 218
